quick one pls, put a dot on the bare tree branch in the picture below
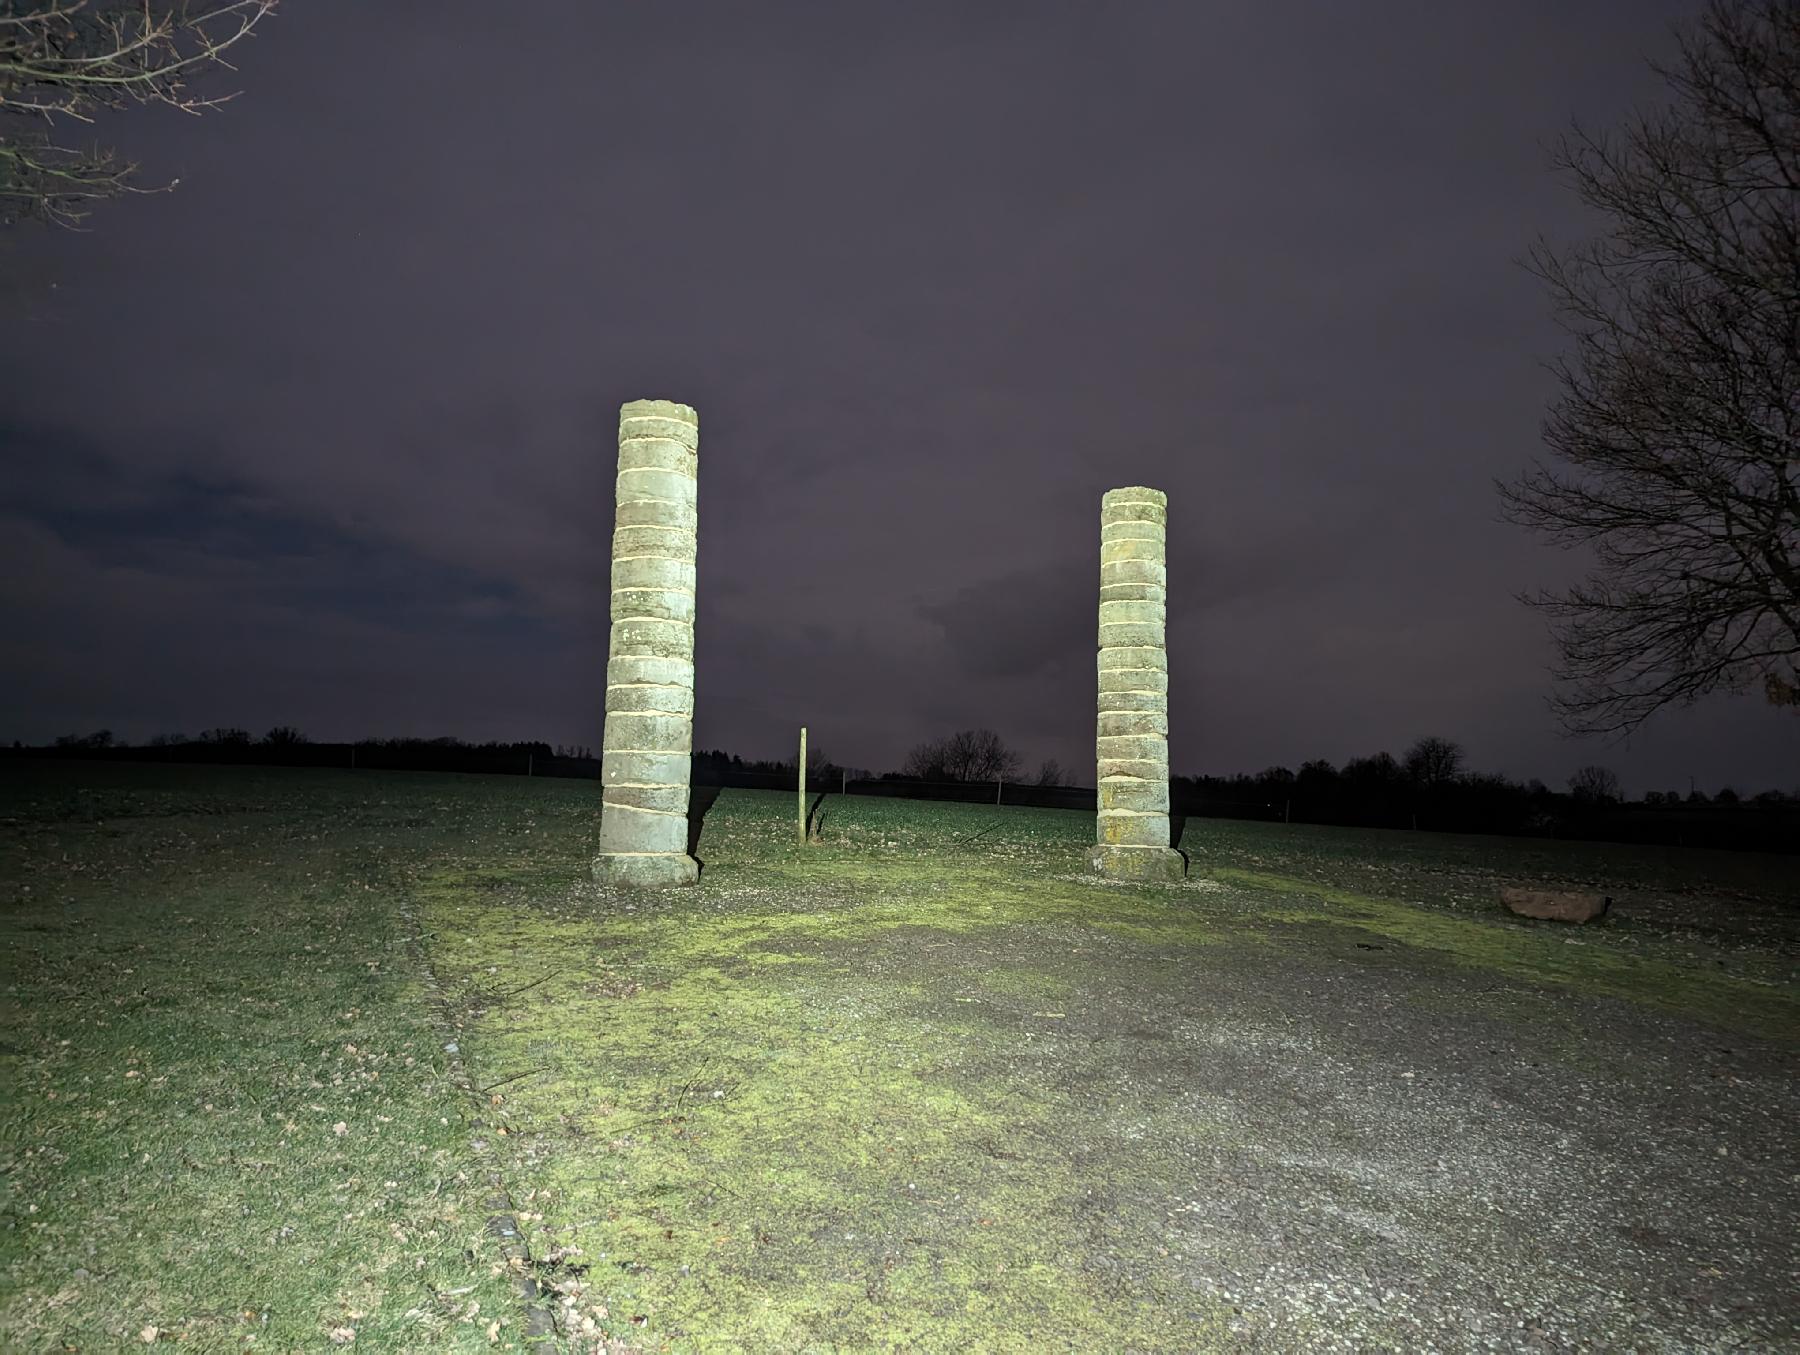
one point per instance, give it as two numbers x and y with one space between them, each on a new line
71 58
1678 420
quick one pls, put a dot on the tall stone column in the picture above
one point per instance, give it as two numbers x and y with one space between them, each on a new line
649 739
1131 744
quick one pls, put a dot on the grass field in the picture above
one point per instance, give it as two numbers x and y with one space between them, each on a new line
275 1039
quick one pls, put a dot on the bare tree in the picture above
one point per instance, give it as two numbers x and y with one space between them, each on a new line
67 59
1433 762
1679 410
967 755
1595 785
1050 772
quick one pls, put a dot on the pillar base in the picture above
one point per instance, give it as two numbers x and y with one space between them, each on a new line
646 870
1149 865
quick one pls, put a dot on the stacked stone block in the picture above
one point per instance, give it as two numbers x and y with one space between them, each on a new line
1131 741
649 738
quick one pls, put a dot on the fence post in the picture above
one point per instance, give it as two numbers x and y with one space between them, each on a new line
800 783
529 759
998 782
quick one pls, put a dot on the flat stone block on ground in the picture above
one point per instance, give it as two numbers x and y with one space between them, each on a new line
1146 865
648 871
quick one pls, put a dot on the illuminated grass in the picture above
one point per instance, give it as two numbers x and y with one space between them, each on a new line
225 1117
853 1097
913 1087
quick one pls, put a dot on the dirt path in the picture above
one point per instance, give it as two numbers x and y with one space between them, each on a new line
937 1106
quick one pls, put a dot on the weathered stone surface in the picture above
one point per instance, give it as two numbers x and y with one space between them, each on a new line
1131 743
1142 769
1153 681
675 573
654 483
659 419
663 799
666 542
1146 865
1137 723
1149 549
631 731
658 454
655 636
664 604
1555 905
646 829
645 763
1130 531
641 769
647 697
623 668
1118 828
1133 592
1133 748
1132 634
674 514
1137 657
1149 569
1134 793
1130 699
646 870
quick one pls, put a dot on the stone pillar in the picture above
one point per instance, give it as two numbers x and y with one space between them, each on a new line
649 739
1132 740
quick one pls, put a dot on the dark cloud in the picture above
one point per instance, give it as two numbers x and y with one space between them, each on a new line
326 435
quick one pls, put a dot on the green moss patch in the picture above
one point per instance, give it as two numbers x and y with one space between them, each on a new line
825 1114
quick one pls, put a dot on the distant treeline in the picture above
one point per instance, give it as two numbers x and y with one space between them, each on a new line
1380 792
1427 790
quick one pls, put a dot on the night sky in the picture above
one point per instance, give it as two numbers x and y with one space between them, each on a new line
326 436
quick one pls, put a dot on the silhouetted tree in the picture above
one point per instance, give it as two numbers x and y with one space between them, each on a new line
967 755
100 738
1050 772
1433 763
1594 785
1679 414
67 59
1317 778
235 737
1377 769
1726 796
1697 797
284 736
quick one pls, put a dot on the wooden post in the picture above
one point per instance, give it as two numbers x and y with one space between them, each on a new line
844 786
998 782
800 781
529 759
1287 807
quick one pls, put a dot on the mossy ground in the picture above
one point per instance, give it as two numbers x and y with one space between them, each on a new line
877 1094
923 1085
